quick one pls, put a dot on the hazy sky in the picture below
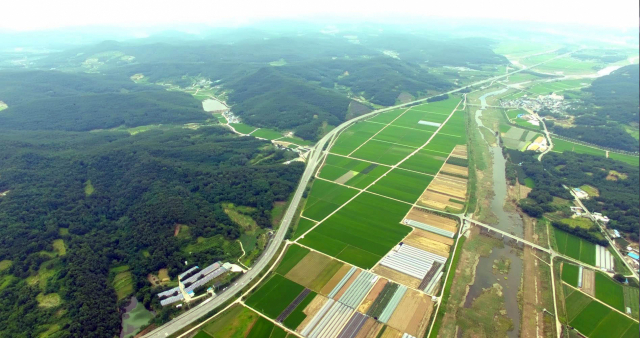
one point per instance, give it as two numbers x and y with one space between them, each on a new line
48 14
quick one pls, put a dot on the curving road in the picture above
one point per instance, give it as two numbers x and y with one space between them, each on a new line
315 157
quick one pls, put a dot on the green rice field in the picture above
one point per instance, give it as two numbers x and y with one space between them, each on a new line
401 184
560 146
362 231
324 198
303 226
593 319
354 136
269 134
383 152
243 128
544 88
293 256
363 173
403 135
425 161
297 316
575 247
387 117
274 296
570 274
609 291
631 298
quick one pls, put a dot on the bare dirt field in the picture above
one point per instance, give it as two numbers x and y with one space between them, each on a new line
435 237
373 294
396 276
370 329
347 285
425 217
335 280
460 151
589 282
311 310
411 312
428 245
308 268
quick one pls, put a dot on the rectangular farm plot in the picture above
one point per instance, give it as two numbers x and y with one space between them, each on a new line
404 136
575 247
325 197
444 143
609 291
412 313
425 161
570 274
358 173
274 296
431 222
383 152
354 136
368 223
401 184
412 118
294 254
387 117
306 271
297 315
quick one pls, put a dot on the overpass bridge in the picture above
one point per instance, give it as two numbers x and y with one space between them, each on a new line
506 234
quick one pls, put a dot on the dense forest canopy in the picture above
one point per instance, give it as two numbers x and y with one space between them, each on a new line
617 183
611 104
310 82
144 185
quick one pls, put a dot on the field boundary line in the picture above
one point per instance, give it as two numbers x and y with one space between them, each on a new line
271 320
309 219
367 191
430 112
378 163
379 131
398 144
416 129
377 179
598 300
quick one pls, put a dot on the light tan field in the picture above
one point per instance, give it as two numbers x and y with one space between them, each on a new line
428 245
449 185
390 332
347 285
589 282
414 308
370 329
373 294
454 169
425 217
438 201
335 280
460 151
316 304
347 176
163 275
396 276
308 268
434 237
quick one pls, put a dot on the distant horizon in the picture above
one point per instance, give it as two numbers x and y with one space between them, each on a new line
64 14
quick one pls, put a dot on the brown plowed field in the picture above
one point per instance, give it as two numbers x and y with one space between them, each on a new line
373 294
589 282
390 332
438 201
433 220
308 268
335 280
414 308
396 276
370 329
428 245
435 237
455 169
347 285
316 304
460 151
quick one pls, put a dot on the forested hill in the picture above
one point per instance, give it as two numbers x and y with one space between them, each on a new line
114 200
80 102
610 106
299 82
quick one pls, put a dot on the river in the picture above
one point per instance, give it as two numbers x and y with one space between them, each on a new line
506 221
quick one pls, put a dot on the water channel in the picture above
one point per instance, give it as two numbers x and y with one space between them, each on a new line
506 221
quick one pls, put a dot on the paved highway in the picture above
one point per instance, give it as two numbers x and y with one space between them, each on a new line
315 157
